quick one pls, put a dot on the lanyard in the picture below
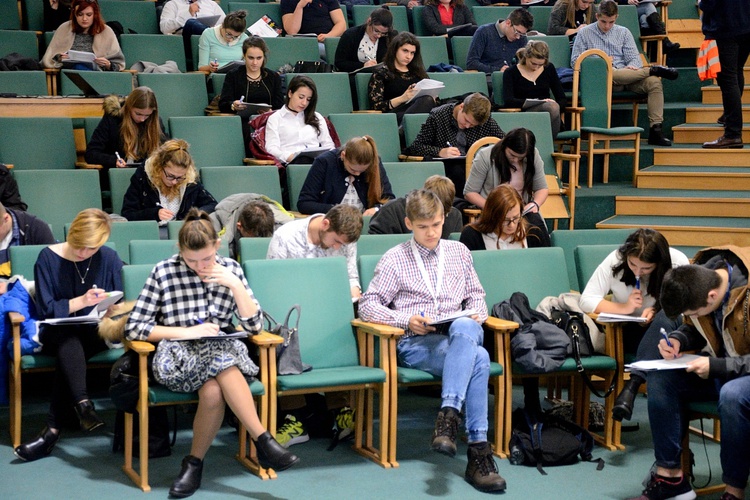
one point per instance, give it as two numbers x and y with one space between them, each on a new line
434 292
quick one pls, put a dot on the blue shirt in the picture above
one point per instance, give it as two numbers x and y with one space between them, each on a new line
618 43
489 50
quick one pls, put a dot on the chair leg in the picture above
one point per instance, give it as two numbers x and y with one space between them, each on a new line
15 408
592 145
605 174
636 159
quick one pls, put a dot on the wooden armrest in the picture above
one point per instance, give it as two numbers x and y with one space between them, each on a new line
141 347
377 329
16 318
410 158
367 111
652 38
253 161
501 325
9 165
472 211
51 70
265 339
219 113
88 166
565 156
510 110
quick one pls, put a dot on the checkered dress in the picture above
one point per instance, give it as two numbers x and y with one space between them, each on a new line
175 296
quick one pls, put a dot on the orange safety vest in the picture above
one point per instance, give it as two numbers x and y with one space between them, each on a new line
708 60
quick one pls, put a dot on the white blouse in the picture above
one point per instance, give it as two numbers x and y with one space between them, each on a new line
286 134
492 242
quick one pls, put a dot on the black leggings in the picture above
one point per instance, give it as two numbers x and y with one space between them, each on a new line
72 346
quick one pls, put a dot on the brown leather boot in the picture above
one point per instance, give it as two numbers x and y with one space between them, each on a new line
481 471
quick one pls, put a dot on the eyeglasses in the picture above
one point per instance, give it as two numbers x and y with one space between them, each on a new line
514 220
379 33
518 33
230 36
171 177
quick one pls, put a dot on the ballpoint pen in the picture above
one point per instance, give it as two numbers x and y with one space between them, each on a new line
637 282
666 337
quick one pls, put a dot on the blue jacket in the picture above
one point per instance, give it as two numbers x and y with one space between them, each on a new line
725 19
489 51
325 185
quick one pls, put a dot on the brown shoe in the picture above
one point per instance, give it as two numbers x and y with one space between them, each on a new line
481 471
724 142
446 430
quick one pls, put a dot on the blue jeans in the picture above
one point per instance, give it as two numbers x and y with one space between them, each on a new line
648 347
464 365
668 393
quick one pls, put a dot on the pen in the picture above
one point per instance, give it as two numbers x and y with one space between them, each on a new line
242 98
449 144
421 313
198 320
637 282
118 156
664 334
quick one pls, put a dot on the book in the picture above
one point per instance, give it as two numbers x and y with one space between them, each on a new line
225 336
531 102
96 313
310 153
77 57
429 87
230 66
209 21
617 318
368 69
264 27
663 364
252 109
460 30
452 317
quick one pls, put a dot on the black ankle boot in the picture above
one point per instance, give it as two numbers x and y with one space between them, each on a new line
189 479
670 46
656 136
87 415
272 454
40 447
623 408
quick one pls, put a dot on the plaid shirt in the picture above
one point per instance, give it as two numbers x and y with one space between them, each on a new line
174 295
618 43
397 291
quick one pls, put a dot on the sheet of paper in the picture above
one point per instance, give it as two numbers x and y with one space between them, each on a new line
452 317
263 27
94 316
663 364
78 56
617 318
429 87
532 102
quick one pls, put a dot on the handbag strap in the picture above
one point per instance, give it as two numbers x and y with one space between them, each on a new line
295 307
575 338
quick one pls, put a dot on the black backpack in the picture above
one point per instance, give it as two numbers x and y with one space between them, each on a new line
549 441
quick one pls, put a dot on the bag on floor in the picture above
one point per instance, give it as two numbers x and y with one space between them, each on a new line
159 444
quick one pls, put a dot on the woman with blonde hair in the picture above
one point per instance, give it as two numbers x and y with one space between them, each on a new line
128 133
500 225
192 295
534 77
166 187
569 16
352 175
71 278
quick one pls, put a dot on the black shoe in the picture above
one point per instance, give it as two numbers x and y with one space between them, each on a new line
665 488
446 430
656 136
87 415
189 479
722 120
623 408
39 447
669 46
664 72
272 454
481 471
724 142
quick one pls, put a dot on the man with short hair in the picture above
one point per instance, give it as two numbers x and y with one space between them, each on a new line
19 228
451 129
628 71
322 235
712 294
416 284
177 14
494 46
391 218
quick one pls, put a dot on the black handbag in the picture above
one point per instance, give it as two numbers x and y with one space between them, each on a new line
123 382
312 67
288 357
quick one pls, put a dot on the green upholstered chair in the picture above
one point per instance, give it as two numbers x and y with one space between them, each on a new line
412 124
33 13
381 126
173 229
25 43
587 259
225 181
19 143
23 258
569 240
104 82
418 22
491 14
9 18
559 49
541 17
405 377
321 288
253 248
540 272
460 46
215 141
153 48
31 83
699 410
295 178
289 50
135 17
560 203
331 44
153 251
334 95
458 84
627 16
119 181
411 175
361 82
125 231
434 50
592 81
360 13
378 244
56 196
153 394
178 94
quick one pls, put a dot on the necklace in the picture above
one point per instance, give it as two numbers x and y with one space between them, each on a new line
83 278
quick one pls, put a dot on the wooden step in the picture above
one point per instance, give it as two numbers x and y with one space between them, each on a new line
686 32
712 95
688 177
698 133
709 114
688 231
685 203
699 156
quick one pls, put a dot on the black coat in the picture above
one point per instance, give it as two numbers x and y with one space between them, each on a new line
346 52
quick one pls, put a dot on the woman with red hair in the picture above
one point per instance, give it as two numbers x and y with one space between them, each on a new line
85 32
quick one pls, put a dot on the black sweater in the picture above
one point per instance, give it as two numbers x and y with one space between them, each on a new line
236 85
346 52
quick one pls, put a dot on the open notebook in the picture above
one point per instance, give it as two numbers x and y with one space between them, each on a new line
96 314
